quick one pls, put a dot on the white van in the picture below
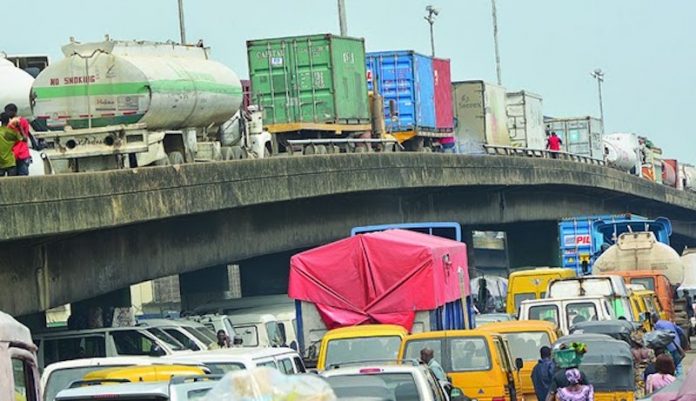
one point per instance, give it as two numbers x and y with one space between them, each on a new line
256 330
192 335
58 376
564 312
19 370
95 343
226 360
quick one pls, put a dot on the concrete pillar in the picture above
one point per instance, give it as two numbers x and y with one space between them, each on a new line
202 286
533 244
113 299
266 275
468 238
35 321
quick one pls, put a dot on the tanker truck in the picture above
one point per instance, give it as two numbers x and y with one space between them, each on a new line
641 259
623 152
117 104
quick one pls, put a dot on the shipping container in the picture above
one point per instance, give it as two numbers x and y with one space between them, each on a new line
580 135
314 82
480 116
406 81
525 120
444 110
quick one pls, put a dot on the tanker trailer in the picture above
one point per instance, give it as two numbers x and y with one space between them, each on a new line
623 152
640 259
116 104
16 87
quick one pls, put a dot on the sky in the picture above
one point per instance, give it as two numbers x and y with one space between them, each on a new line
645 48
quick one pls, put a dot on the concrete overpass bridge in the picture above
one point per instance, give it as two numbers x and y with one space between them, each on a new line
73 237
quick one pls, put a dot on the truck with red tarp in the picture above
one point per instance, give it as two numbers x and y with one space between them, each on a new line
399 277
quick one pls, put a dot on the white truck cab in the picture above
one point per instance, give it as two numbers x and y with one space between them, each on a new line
566 311
255 329
19 369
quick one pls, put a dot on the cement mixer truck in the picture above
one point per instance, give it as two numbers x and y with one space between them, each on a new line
641 259
117 104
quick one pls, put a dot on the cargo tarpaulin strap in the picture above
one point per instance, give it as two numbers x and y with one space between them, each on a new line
382 277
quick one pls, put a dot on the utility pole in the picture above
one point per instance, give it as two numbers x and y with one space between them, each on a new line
182 29
342 17
599 76
495 42
432 13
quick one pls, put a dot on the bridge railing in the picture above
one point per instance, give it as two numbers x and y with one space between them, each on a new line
539 153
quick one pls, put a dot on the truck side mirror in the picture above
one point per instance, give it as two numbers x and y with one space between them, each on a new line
519 363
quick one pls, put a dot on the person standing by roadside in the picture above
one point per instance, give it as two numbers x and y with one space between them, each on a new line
20 149
8 139
675 347
223 341
542 374
553 143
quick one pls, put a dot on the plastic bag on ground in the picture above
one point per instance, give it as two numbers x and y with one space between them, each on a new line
266 384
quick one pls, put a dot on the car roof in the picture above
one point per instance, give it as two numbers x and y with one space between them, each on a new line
67 333
516 326
478 332
539 270
357 369
373 329
166 323
234 354
133 389
562 299
241 316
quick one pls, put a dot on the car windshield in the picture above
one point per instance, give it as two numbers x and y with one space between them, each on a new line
462 354
199 335
220 368
526 345
383 348
61 379
382 386
166 338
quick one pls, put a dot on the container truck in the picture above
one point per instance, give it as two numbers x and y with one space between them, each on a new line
640 258
580 135
480 115
399 277
313 93
416 93
115 104
582 239
525 120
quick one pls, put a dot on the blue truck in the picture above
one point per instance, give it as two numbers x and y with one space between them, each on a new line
582 239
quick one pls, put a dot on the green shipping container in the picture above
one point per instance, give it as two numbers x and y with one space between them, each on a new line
309 80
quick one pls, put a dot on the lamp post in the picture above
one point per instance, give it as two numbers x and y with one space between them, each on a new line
342 17
182 29
432 13
599 76
495 42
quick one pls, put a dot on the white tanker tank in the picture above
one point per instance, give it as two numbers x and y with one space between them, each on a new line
15 86
640 251
689 261
623 151
163 85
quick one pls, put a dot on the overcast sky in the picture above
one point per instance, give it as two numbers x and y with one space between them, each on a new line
646 48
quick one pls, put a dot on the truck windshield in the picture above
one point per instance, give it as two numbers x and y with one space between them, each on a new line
647 282
526 345
580 312
347 350
548 313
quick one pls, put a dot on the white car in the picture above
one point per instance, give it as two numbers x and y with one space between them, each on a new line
226 360
403 382
194 336
59 375
178 389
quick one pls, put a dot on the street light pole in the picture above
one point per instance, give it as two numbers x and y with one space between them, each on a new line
432 13
599 76
182 29
342 17
495 43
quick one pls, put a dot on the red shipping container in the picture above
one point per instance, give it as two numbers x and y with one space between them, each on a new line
444 111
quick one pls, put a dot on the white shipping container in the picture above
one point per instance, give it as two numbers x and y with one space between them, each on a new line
480 116
580 135
526 120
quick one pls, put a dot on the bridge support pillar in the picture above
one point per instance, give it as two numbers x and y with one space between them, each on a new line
202 286
114 299
533 244
266 275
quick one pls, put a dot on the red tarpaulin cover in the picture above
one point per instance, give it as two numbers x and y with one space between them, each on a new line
382 277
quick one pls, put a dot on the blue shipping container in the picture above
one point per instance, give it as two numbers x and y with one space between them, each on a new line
406 80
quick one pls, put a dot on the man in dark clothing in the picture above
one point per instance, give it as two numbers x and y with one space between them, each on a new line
542 374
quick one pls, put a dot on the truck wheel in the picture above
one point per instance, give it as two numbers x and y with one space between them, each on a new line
176 158
320 150
237 153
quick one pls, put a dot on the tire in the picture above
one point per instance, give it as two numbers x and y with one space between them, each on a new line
320 149
308 150
237 153
176 158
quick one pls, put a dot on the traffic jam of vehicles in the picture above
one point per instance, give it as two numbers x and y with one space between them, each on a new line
391 313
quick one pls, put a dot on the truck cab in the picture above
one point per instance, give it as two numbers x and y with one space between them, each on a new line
610 286
566 311
19 369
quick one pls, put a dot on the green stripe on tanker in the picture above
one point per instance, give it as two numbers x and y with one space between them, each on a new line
309 79
134 88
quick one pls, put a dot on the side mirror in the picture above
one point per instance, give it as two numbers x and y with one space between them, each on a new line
456 394
519 363
156 350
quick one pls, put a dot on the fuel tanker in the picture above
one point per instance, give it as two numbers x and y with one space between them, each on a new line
115 104
16 87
